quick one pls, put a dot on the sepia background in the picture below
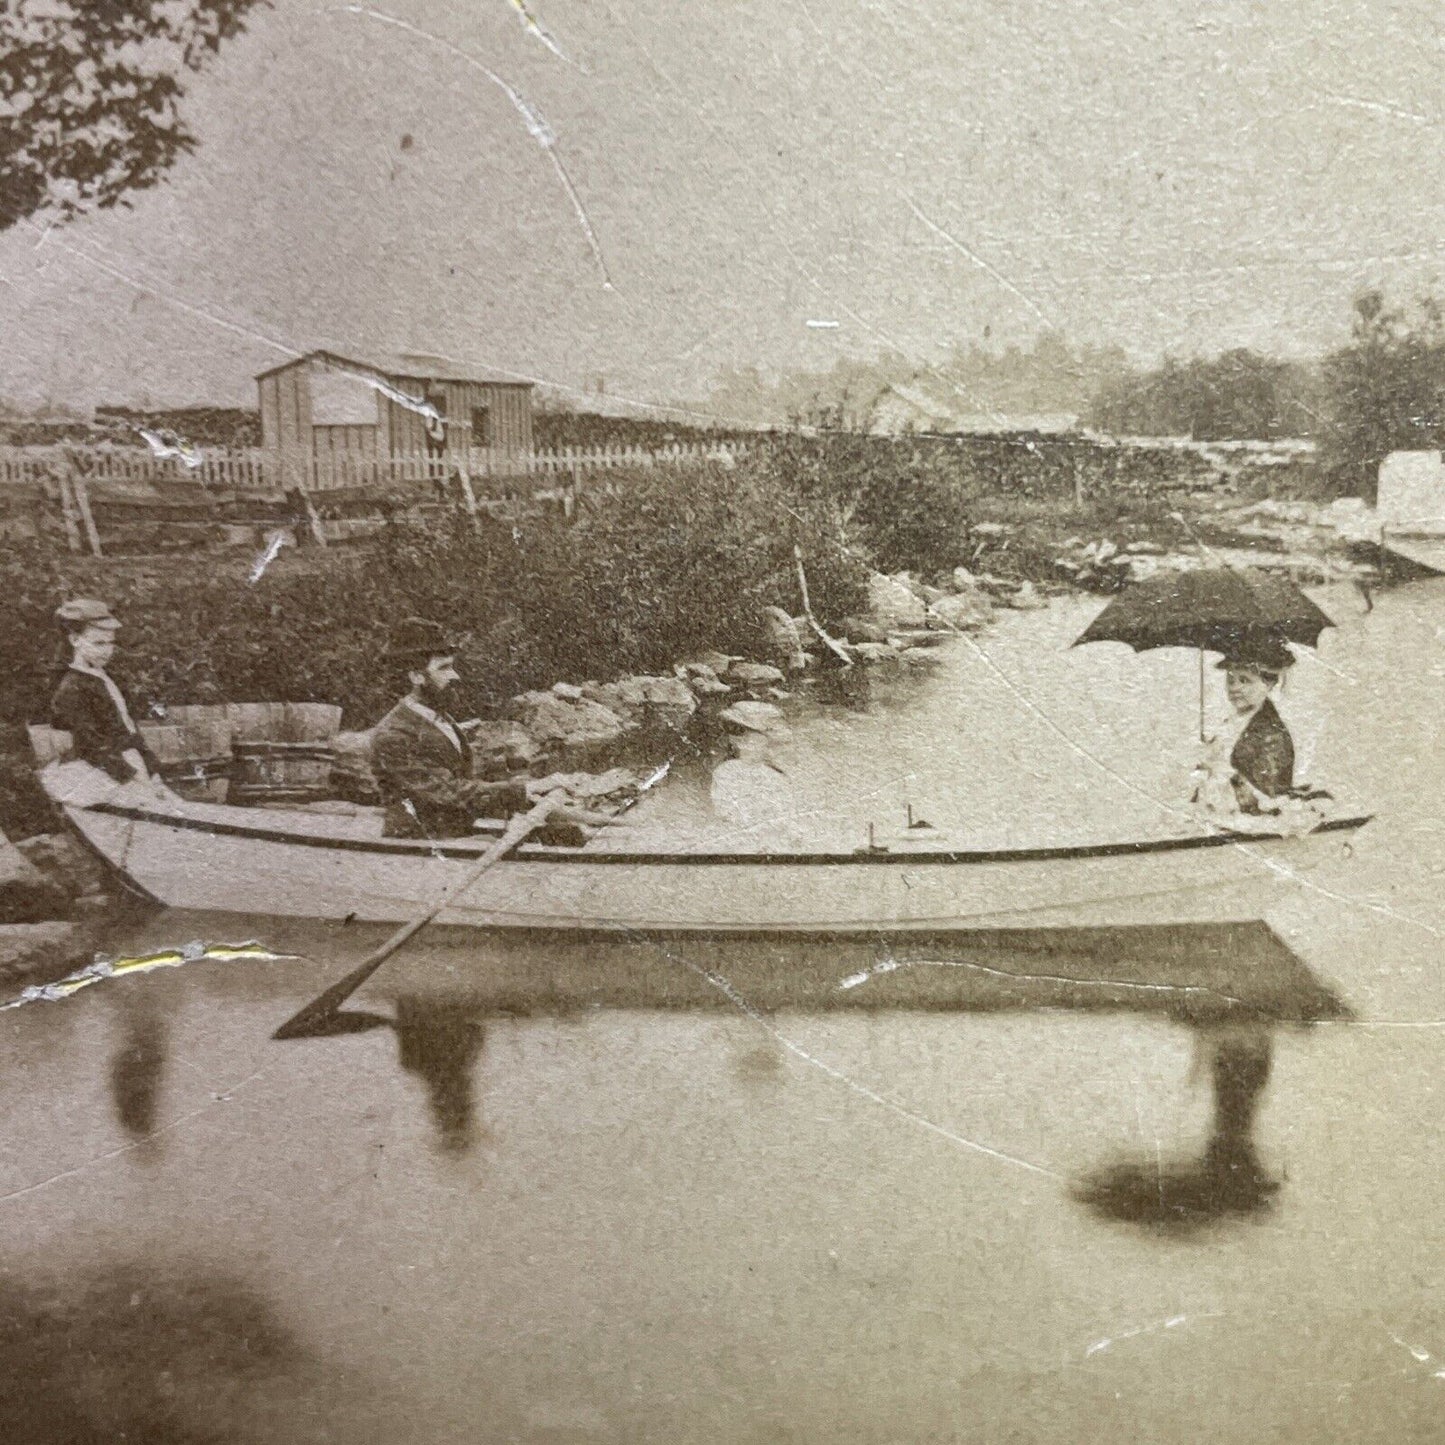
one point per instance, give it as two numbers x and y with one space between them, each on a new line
843 357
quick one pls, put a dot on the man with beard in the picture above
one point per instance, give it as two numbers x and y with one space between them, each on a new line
422 760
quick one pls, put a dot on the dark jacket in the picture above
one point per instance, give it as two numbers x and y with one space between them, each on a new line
82 707
416 764
1263 757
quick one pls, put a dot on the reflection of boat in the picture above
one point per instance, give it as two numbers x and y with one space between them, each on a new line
209 856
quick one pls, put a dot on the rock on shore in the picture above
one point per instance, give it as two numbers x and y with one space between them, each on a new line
26 894
33 952
577 733
666 702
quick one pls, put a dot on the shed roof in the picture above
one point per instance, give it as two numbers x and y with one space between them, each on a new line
403 367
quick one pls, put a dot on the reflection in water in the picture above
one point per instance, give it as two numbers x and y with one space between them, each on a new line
1229 984
1229 1179
440 1043
137 1068
763 1063
167 1356
438 1040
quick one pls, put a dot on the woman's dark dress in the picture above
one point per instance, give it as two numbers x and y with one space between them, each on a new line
1263 757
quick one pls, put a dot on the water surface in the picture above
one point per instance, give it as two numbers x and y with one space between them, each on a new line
700 1213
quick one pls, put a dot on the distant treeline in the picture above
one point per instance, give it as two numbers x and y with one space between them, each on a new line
1383 391
1239 395
1052 377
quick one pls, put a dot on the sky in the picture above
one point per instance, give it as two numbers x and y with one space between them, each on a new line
638 193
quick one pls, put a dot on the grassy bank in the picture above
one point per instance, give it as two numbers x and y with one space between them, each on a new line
666 565
669 567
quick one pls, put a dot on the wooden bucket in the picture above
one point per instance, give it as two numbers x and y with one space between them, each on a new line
278 772
193 748
309 722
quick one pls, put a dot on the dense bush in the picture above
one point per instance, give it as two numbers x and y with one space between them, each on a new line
673 563
912 503
1385 390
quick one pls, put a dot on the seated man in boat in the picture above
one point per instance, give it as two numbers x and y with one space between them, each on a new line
423 762
89 706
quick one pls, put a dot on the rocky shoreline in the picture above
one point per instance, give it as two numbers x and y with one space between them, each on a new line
56 902
598 740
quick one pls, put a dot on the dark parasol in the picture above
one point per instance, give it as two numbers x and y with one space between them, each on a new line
1241 613
1238 612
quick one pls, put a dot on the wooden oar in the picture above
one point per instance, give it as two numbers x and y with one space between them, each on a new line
834 646
315 1015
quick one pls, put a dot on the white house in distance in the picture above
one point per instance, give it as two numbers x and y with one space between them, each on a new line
329 420
916 409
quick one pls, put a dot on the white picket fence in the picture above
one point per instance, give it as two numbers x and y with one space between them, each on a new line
247 469
240 469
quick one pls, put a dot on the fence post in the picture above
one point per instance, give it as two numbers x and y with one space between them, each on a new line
82 502
469 496
572 498
67 508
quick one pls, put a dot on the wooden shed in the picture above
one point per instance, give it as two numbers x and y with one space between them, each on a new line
329 420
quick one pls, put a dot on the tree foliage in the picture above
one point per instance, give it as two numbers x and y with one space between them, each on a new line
90 96
669 567
1385 391
1239 394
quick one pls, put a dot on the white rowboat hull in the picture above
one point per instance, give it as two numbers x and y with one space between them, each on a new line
238 860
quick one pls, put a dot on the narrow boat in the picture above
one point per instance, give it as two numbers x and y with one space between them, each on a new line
301 863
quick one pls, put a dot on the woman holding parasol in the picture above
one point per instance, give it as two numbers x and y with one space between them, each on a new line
1258 768
1253 619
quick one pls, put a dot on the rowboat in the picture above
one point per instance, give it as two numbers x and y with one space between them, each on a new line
295 862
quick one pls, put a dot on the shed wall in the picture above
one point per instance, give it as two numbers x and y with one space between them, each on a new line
293 445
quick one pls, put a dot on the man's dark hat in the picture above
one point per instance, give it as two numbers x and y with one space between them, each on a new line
417 637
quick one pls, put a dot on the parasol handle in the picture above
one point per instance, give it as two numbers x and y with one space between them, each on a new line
1202 737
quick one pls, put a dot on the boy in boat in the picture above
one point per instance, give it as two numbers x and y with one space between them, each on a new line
88 705
423 762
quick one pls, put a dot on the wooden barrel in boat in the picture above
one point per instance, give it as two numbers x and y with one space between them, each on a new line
284 751
273 772
193 748
309 722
